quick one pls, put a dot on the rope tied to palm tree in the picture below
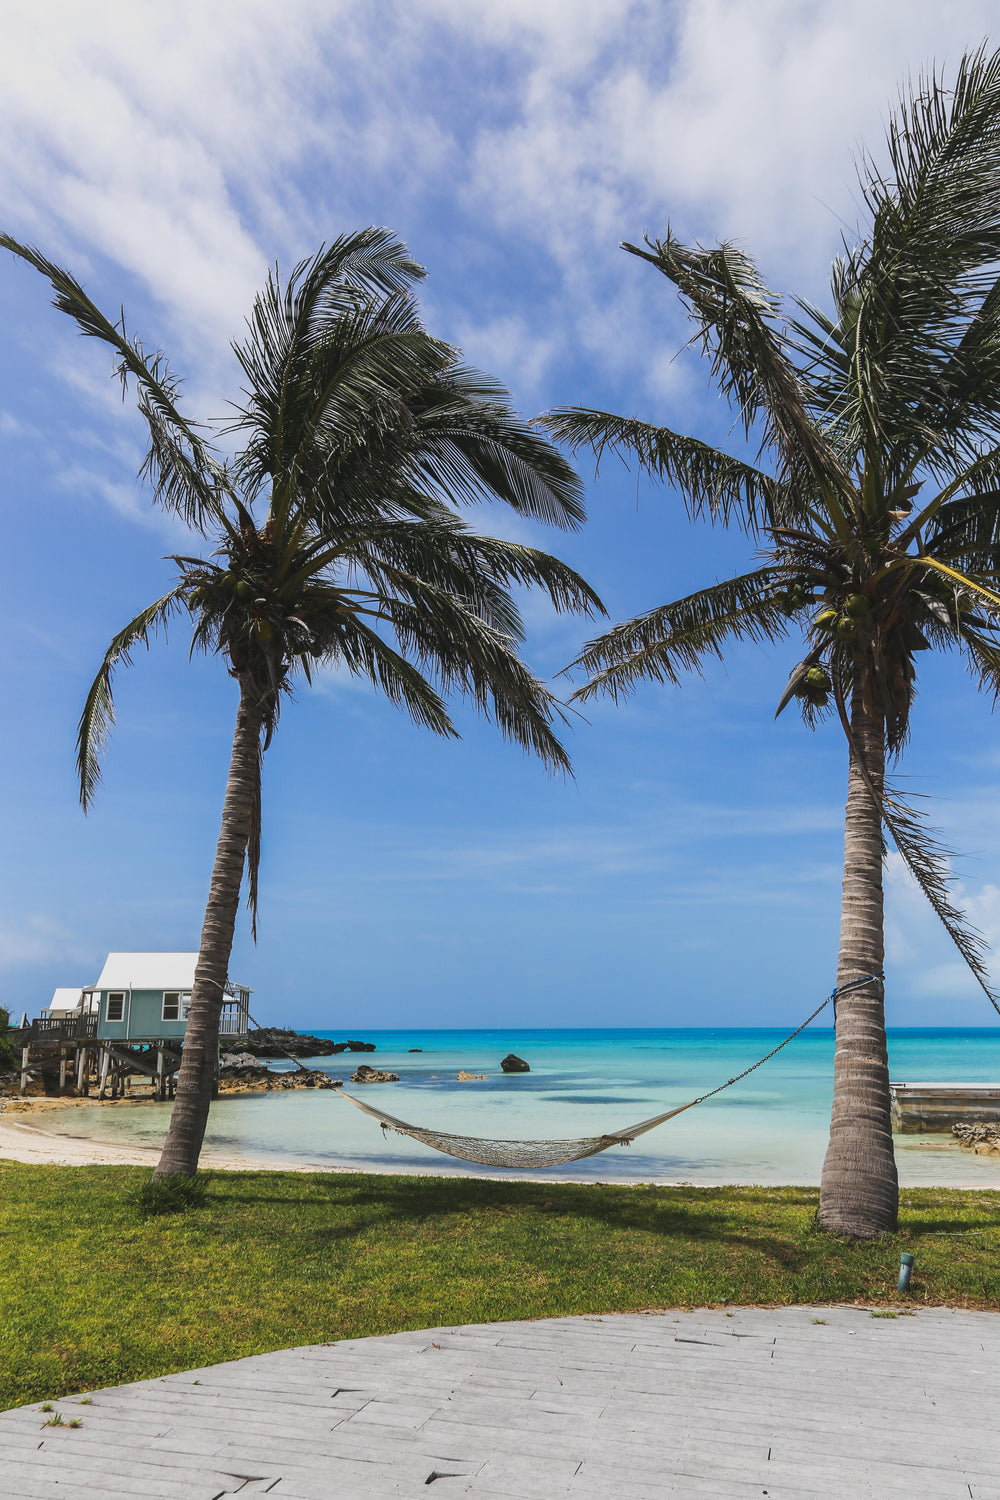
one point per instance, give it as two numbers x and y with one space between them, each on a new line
525 1155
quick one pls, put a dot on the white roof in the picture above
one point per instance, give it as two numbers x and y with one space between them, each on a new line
66 999
147 971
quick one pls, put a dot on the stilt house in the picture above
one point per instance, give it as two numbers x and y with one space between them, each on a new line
144 997
132 1021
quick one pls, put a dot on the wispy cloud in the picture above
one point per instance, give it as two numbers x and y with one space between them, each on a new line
39 939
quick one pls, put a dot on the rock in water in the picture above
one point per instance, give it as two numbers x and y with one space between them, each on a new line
983 1138
365 1074
512 1064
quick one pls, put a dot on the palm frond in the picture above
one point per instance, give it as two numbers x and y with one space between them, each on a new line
469 656
675 638
468 446
984 660
711 482
185 474
737 318
365 654
909 365
444 553
98 715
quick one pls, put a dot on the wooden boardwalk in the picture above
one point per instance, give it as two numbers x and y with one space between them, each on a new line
787 1403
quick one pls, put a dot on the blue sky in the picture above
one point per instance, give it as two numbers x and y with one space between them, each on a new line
689 875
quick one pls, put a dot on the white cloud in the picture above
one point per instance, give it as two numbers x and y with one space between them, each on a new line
11 426
190 145
35 939
920 949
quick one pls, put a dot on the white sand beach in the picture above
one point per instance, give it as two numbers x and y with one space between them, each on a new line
23 1138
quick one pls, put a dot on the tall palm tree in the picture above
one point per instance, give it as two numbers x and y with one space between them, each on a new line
335 540
892 395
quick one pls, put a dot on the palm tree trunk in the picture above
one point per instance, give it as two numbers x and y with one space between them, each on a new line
201 1038
859 1193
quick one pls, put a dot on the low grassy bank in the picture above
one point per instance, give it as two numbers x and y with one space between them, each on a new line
92 1294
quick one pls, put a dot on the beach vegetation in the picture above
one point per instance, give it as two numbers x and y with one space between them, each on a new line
870 490
336 542
8 1052
271 1260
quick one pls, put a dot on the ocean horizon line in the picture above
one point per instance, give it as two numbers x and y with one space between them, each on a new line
772 1027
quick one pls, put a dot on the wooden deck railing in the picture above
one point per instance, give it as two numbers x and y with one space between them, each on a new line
60 1029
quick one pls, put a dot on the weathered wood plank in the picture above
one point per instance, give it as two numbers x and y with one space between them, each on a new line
723 1404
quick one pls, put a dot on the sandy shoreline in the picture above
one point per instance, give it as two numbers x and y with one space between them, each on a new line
33 1145
36 1146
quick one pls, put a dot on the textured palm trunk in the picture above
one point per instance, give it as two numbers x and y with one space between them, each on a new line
195 1080
859 1193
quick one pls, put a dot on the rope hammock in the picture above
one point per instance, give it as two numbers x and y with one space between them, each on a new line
528 1154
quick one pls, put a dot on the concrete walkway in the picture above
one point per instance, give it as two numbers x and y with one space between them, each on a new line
787 1403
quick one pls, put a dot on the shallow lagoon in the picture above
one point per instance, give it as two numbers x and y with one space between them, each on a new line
771 1128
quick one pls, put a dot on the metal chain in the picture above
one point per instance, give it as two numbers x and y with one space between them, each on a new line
840 990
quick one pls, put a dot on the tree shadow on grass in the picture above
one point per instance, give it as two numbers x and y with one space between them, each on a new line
704 1216
775 1227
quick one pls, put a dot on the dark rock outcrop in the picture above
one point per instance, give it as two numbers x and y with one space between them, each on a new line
271 1041
512 1064
239 1073
365 1074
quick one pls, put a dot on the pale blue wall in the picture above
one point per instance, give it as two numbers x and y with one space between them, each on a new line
143 1018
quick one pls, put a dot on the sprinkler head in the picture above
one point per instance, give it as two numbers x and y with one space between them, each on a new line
905 1267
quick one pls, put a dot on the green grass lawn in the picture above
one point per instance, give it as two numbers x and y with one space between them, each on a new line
92 1293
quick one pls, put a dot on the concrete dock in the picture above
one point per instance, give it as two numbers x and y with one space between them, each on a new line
786 1403
936 1107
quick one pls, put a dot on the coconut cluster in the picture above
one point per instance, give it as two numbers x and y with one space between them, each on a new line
814 686
843 622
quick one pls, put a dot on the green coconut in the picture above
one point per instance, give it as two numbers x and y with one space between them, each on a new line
857 606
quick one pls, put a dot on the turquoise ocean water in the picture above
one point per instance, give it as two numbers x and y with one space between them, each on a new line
771 1128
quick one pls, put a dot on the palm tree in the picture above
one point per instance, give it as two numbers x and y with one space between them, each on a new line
335 540
891 396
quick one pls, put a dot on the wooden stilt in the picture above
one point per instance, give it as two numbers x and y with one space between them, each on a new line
105 1062
81 1069
63 1059
25 1051
161 1062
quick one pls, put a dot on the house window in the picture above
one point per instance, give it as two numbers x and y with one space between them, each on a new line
116 1005
171 1005
185 1005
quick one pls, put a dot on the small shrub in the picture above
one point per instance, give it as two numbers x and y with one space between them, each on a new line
169 1195
9 1059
